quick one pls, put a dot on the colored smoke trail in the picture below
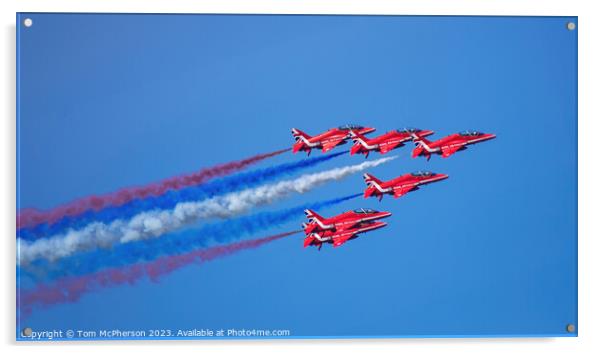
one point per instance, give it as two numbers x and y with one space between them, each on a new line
171 198
156 223
71 289
31 217
134 252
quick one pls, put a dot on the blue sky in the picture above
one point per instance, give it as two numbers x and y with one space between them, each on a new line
107 101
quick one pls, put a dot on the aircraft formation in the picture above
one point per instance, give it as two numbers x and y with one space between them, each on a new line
341 228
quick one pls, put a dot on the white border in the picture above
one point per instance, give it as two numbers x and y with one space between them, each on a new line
590 116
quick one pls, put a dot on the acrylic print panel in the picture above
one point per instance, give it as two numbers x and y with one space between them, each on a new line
167 162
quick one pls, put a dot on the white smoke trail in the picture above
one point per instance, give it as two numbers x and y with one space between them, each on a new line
155 223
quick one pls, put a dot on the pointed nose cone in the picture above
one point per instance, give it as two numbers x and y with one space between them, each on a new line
385 214
489 136
377 225
441 176
367 130
424 133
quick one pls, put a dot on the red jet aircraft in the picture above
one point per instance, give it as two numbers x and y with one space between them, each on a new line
327 140
338 238
340 228
400 185
341 222
386 142
448 145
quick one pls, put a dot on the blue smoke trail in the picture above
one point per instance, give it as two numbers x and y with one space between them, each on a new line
171 198
186 241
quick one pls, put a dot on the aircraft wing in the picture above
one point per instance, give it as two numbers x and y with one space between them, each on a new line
401 190
448 150
388 147
331 143
341 238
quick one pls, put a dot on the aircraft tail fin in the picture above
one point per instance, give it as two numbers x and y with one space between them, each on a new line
309 240
313 240
298 133
420 150
420 140
423 146
309 227
371 180
357 136
312 215
373 191
417 151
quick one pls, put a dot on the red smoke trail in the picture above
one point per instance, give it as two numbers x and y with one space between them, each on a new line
32 217
70 289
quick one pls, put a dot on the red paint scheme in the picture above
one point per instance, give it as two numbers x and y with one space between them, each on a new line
339 238
327 140
341 228
386 142
448 145
401 185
